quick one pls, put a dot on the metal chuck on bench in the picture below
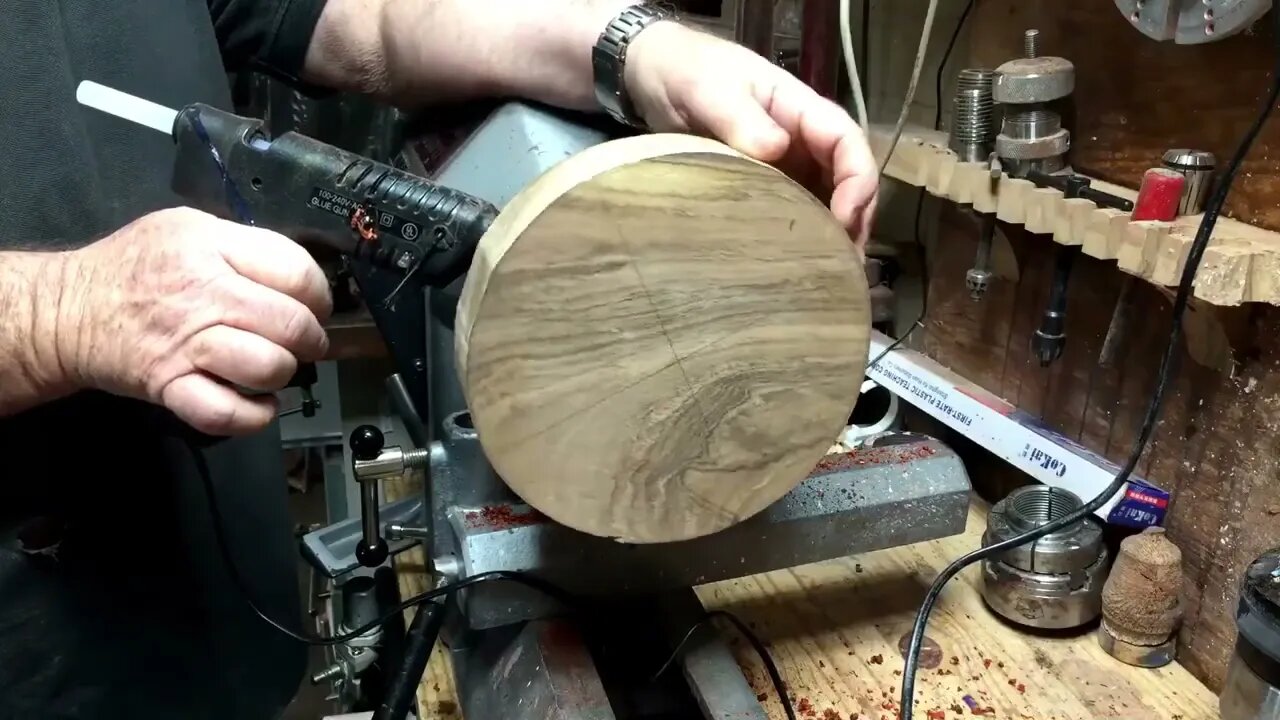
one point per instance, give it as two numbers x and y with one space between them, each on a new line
1054 583
1252 689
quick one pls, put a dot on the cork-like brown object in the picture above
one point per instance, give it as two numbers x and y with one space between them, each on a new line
1142 599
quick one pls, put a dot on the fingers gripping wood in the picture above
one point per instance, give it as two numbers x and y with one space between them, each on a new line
660 337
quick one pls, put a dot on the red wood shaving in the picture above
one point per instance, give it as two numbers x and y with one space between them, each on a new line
936 715
872 456
501 517
986 663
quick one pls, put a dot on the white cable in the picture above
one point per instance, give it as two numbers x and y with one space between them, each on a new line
851 64
921 52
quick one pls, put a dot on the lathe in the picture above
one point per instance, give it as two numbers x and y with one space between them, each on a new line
517 653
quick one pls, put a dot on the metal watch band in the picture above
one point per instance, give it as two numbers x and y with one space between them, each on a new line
609 60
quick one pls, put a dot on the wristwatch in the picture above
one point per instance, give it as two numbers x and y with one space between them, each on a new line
609 60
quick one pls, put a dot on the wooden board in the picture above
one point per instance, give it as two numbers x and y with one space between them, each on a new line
660 337
1241 264
437 697
834 630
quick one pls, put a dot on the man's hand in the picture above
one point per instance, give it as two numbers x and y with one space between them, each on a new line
683 80
178 305
411 52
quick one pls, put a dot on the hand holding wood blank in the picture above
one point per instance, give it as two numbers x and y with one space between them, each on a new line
660 337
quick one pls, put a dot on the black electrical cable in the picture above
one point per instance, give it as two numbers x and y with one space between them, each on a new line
1212 210
770 667
924 257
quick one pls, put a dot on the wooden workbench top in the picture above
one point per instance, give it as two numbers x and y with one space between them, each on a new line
834 630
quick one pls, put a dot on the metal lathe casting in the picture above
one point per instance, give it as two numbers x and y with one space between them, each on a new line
514 656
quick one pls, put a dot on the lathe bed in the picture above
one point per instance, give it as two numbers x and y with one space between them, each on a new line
834 629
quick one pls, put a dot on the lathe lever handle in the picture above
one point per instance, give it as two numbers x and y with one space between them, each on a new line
366 444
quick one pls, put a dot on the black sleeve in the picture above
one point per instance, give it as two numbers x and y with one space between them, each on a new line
270 36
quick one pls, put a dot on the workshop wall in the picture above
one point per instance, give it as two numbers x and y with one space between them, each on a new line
1217 446
1136 98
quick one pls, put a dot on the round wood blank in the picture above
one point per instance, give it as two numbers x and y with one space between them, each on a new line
660 337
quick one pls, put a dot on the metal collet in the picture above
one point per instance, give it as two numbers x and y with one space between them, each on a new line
1055 582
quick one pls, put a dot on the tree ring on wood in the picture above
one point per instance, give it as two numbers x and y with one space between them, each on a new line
660 337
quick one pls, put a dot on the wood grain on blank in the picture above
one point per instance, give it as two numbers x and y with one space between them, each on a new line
661 337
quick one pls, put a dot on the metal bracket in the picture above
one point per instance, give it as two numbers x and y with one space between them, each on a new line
332 549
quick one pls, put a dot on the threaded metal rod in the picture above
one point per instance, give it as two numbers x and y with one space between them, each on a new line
973 125
1031 43
414 459
1031 124
1037 505
973 115
980 78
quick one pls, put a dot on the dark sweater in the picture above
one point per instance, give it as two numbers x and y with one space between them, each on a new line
113 601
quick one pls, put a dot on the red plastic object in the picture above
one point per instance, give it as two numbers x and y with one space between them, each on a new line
1160 195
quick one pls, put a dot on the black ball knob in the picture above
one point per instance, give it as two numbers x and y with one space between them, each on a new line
366 442
372 556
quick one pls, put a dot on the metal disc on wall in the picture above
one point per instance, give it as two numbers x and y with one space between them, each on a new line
1192 22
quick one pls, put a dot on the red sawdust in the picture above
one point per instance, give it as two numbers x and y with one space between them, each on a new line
872 456
830 714
936 715
804 707
501 517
